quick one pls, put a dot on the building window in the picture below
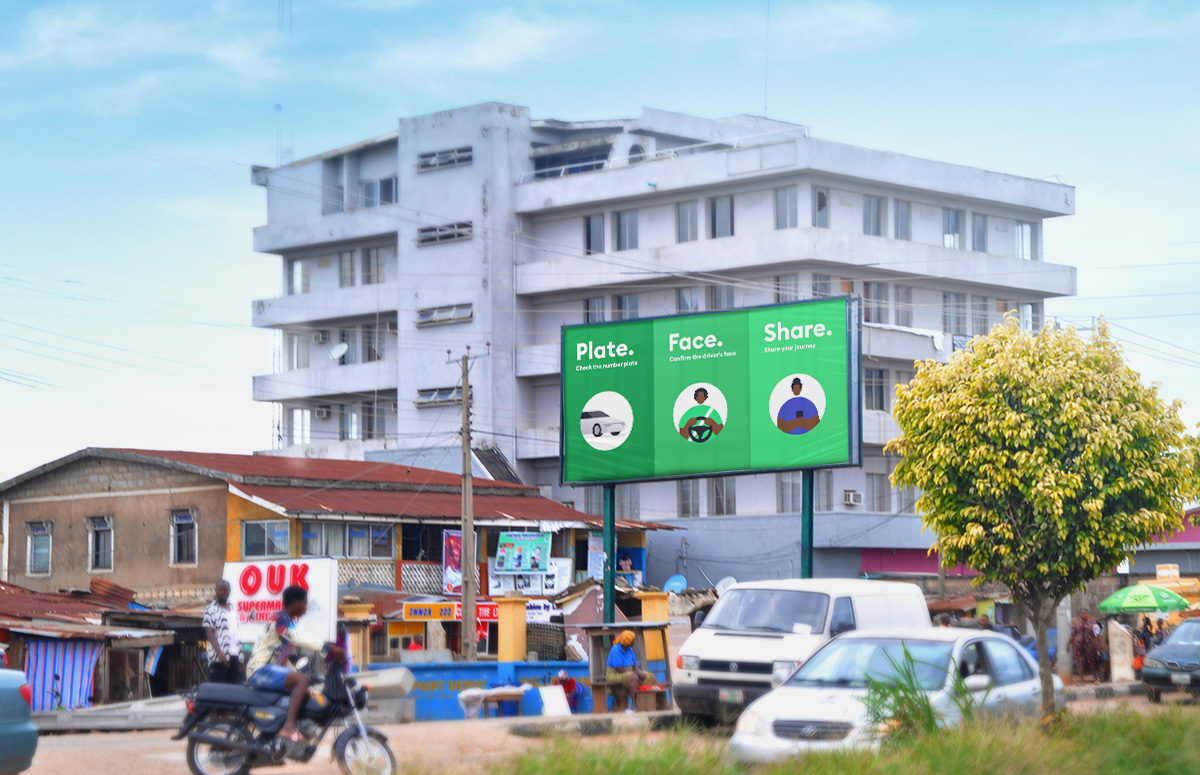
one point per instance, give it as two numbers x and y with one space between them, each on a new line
593 501
447 232
1025 241
722 496
688 300
440 316
903 227
593 310
720 216
625 306
875 302
455 157
823 490
37 548
297 351
904 305
790 492
636 154
322 539
373 422
952 223
374 261
627 230
100 543
301 426
875 388
593 233
786 207
878 497
822 286
628 501
369 542
297 276
377 192
348 337
979 233
787 288
268 538
979 315
687 221
184 540
907 500
689 497
443 396
373 342
345 269
348 422
720 297
954 313
1031 316
873 216
820 208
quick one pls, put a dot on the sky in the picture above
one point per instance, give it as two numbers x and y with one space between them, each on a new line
127 132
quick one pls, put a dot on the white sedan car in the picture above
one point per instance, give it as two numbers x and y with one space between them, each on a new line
598 423
820 706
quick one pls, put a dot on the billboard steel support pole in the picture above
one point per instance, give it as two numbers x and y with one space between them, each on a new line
610 553
806 524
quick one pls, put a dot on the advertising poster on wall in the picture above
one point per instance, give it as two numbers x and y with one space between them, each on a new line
523 553
451 562
766 389
595 557
256 590
559 577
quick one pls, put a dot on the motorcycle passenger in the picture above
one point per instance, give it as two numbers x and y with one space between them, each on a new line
269 669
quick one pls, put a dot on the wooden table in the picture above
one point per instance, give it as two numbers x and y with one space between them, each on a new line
495 697
600 639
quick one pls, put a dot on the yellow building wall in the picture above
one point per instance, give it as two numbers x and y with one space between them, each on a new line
239 510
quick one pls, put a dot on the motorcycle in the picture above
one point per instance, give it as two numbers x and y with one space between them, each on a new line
231 729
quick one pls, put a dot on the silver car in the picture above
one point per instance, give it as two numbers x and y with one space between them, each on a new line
598 423
820 705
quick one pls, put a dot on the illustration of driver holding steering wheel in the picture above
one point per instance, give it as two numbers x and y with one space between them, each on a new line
701 422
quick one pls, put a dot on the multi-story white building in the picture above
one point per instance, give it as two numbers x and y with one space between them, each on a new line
481 225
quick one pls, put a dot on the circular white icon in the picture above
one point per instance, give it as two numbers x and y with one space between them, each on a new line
606 420
795 401
700 412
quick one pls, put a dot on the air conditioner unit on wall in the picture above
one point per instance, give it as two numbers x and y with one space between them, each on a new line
321 413
852 497
321 337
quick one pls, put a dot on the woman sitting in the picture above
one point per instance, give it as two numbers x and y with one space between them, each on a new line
624 675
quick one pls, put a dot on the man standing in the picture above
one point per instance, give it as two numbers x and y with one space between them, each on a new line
223 660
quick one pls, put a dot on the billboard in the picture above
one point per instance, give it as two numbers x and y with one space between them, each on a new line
452 562
256 595
523 553
764 389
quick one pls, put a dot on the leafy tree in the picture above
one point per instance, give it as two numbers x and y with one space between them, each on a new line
1043 462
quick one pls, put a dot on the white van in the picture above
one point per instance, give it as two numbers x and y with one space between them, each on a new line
759 631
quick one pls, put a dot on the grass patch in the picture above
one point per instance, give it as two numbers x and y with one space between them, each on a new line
1115 743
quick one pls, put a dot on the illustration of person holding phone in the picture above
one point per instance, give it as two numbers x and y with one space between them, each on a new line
798 415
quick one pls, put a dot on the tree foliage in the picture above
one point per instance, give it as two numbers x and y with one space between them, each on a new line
1043 461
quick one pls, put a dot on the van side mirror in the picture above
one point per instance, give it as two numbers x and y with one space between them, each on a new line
698 618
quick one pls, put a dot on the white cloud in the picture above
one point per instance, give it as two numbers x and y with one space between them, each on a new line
813 28
1124 22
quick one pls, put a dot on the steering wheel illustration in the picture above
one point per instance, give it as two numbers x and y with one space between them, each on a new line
700 433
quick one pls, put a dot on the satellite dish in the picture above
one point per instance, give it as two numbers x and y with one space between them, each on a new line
676 583
338 350
725 584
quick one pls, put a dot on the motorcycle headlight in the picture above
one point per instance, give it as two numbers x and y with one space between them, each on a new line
1153 663
360 697
750 723
689 663
781 670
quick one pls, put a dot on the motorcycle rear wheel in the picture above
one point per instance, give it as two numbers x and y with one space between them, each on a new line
365 755
208 759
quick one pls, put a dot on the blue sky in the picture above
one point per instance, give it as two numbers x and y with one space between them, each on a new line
127 130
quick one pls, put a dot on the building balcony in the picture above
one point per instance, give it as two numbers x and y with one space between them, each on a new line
905 344
359 224
879 428
534 443
317 307
539 360
331 380
1005 277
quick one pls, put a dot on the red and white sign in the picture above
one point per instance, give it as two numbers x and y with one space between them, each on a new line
256 595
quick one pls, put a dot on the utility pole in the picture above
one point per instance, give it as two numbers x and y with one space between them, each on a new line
467 632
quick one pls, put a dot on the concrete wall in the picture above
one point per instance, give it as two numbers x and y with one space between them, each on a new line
140 499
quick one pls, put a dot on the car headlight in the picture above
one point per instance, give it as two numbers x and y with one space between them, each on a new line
781 670
689 663
750 723
1153 663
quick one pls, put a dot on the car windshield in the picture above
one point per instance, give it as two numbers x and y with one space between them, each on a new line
592 415
1186 634
770 610
849 662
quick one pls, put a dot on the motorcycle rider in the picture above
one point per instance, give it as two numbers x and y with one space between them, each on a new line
269 669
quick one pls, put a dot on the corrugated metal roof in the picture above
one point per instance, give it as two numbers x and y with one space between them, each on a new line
73 631
20 603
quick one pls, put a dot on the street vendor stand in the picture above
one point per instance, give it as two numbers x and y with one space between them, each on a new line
600 639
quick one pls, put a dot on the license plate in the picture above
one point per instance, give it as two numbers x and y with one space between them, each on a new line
1181 678
731 695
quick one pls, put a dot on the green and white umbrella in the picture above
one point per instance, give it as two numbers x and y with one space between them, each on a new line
1143 599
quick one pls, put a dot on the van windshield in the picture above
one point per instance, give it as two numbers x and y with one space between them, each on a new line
769 610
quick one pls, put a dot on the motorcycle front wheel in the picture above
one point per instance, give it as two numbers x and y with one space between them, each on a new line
209 759
367 755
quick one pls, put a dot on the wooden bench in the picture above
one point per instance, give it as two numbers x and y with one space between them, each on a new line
496 697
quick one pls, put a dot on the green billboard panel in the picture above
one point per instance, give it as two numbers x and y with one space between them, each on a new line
764 389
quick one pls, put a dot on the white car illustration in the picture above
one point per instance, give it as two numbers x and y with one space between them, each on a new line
598 423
